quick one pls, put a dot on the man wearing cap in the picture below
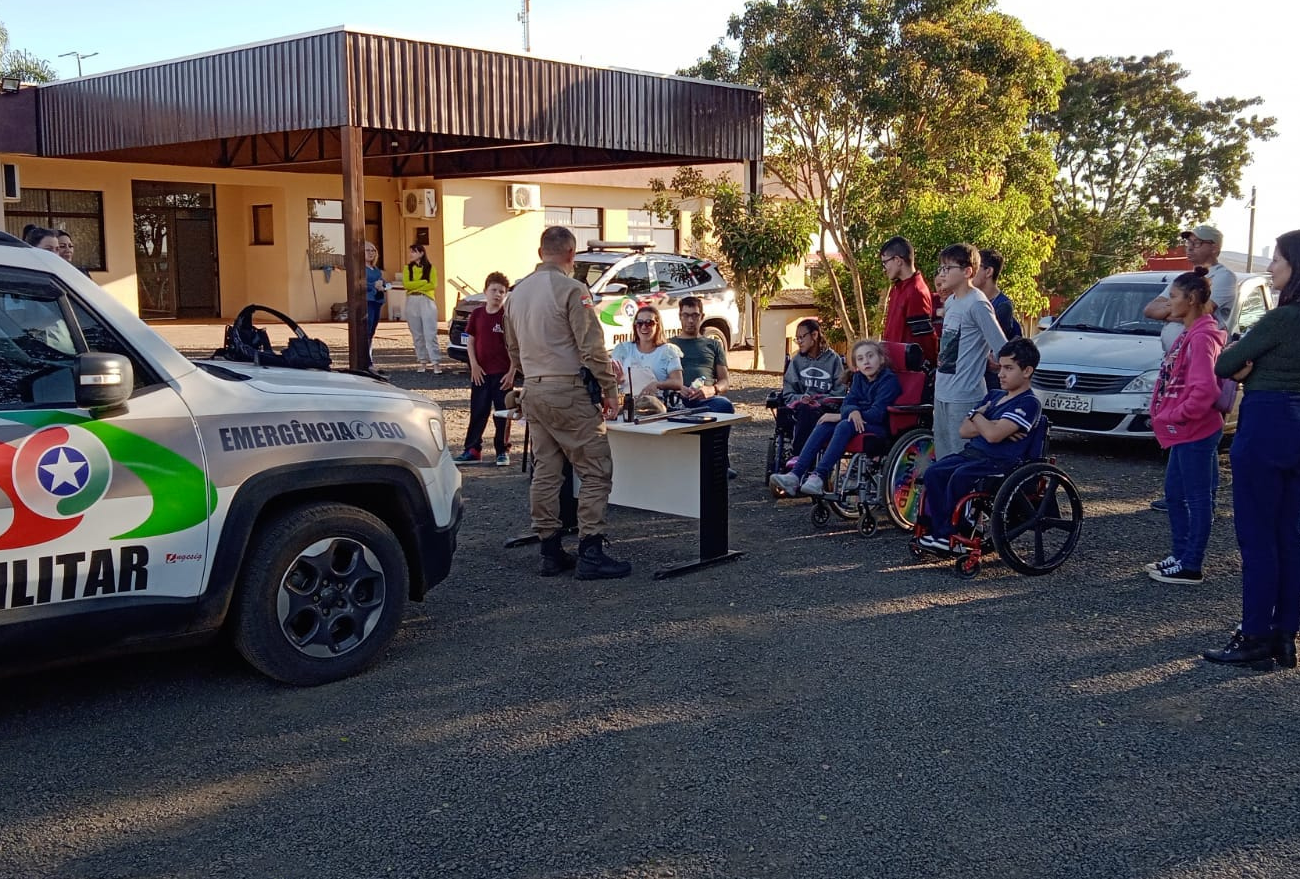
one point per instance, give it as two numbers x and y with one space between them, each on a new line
1203 245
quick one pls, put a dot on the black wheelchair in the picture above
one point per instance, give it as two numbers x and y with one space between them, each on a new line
1031 516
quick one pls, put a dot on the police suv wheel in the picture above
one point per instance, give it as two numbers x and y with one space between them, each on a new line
713 332
320 595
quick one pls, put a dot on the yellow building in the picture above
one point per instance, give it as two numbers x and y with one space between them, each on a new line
197 186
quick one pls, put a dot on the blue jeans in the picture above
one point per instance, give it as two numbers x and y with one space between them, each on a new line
834 437
1190 478
720 405
947 481
1266 507
372 324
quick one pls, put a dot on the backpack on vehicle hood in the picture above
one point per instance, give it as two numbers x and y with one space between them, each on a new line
247 343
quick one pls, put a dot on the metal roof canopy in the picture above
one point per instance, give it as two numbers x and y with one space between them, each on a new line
425 110
342 101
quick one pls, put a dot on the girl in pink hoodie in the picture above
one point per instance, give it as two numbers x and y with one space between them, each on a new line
1187 424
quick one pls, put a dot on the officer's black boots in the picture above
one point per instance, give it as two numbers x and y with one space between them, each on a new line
554 559
593 564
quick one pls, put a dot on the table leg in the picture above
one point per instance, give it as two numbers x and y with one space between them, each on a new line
714 507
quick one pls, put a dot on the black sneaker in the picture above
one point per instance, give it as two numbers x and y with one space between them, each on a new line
1256 653
1167 561
1160 505
593 564
1176 573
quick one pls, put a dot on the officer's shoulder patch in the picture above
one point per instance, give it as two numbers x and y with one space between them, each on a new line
586 300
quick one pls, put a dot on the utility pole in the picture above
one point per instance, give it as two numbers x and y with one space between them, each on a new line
79 56
523 19
1250 239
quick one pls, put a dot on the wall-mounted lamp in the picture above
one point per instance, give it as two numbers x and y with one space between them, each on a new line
10 84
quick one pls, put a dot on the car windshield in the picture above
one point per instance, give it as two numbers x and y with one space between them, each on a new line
1114 307
589 271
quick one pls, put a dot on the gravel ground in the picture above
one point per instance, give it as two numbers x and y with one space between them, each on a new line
825 707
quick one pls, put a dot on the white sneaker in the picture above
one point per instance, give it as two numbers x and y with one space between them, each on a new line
812 485
786 483
421 368
437 370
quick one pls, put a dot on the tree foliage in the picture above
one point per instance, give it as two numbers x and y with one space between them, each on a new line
1140 158
23 64
873 104
759 235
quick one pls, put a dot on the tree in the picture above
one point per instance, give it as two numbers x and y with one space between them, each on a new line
23 64
873 103
760 235
1140 158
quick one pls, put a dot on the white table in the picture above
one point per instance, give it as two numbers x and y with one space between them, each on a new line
680 469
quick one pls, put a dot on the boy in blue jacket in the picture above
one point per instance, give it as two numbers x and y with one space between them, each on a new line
864 411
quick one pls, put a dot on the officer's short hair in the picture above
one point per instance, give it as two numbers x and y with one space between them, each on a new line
557 241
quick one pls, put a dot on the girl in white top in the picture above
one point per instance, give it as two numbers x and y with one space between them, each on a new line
650 363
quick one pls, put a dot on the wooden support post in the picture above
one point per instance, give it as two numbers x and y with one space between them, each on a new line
354 245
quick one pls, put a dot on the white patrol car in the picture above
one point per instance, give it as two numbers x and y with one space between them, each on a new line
148 500
623 276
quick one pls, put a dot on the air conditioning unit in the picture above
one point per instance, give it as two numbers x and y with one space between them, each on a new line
12 191
420 203
523 197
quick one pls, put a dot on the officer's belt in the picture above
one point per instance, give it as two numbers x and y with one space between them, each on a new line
555 379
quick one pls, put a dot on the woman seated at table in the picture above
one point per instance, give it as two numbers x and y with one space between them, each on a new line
650 364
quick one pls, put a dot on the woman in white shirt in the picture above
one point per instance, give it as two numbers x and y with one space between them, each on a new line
649 364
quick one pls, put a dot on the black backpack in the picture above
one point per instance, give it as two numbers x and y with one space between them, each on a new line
247 343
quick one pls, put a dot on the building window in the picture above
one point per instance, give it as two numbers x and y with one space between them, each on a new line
325 230
584 223
79 212
263 233
645 226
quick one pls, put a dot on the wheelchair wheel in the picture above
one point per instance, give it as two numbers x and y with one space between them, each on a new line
821 513
968 566
842 488
866 524
770 467
907 461
1036 519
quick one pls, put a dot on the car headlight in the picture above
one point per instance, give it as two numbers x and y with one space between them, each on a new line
439 435
1144 383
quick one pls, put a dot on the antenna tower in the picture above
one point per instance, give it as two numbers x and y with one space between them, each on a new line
523 19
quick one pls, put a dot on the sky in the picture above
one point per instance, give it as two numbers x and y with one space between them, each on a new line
1230 49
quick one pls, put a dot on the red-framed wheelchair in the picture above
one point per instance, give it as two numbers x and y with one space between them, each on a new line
1031 516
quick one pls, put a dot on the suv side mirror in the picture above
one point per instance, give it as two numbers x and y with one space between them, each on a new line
103 381
1045 322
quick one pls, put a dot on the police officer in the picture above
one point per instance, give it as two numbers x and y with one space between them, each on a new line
552 333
